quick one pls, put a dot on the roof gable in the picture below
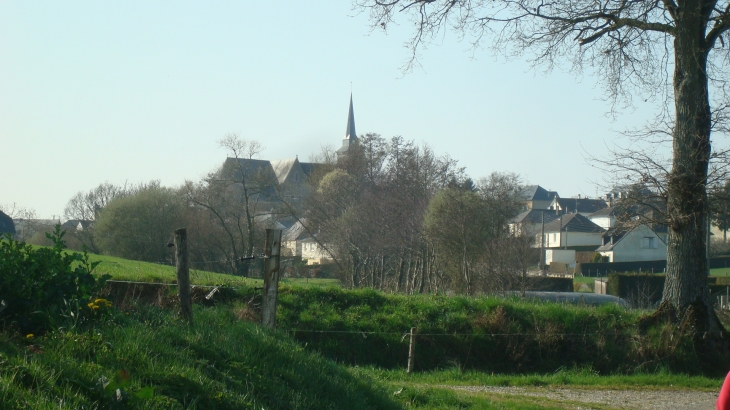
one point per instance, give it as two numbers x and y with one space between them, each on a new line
573 223
537 193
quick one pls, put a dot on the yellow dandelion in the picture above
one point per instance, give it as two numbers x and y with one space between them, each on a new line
100 301
29 336
91 305
95 307
108 304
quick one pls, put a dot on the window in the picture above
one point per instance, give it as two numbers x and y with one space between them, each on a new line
648 242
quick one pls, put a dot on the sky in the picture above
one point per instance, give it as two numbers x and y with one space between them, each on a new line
131 91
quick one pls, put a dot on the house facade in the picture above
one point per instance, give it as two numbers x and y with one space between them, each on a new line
572 230
632 244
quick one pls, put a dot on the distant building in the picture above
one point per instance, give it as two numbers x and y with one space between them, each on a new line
6 225
630 244
583 206
537 197
282 179
572 230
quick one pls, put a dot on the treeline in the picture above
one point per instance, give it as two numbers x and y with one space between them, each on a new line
392 215
395 216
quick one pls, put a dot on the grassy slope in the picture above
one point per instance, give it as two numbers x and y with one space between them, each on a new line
137 271
367 328
219 363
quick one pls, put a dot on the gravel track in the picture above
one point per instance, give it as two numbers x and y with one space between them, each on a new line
618 399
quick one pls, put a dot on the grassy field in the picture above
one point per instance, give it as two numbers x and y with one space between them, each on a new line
223 362
336 349
162 363
136 271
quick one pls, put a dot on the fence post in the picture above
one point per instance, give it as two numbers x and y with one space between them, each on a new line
412 350
271 277
183 274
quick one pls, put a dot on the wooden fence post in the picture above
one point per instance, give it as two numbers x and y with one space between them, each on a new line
183 274
412 350
271 277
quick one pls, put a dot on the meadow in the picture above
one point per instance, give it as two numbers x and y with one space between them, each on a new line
335 348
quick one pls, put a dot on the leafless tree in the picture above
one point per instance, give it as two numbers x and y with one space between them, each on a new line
674 50
86 206
232 195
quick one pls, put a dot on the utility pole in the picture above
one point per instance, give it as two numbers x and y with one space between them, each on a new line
542 244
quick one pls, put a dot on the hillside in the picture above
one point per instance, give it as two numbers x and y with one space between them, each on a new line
219 363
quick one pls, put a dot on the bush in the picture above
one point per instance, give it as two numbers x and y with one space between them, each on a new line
39 285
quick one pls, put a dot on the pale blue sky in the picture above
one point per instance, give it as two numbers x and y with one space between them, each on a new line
134 91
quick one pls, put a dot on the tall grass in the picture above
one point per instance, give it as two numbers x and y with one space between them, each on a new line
220 363
489 334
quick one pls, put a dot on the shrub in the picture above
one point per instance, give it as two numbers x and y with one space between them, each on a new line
38 286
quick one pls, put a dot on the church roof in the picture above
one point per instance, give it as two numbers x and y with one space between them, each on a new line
282 168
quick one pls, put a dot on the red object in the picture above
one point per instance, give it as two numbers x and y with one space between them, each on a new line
723 401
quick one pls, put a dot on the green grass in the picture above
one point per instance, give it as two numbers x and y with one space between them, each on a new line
575 378
588 283
219 363
491 334
137 271
720 272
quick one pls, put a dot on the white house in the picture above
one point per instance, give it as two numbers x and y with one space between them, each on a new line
313 253
630 244
572 230
605 218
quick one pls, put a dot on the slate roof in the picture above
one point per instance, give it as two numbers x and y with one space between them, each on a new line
537 193
605 212
6 224
572 223
296 232
535 216
282 168
582 205
236 167
74 224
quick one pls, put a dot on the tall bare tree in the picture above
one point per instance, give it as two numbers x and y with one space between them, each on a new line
632 46
232 195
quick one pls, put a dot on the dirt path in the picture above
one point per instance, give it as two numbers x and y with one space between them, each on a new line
617 399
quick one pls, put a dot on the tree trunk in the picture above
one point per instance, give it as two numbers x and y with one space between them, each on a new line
686 292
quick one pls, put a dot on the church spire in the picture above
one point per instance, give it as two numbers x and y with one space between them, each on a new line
350 135
350 132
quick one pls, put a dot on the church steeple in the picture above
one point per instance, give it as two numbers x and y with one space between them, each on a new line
350 135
